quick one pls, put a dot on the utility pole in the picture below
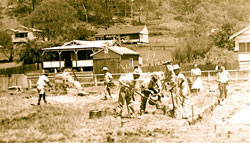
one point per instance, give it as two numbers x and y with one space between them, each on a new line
146 12
140 15
86 13
125 8
132 9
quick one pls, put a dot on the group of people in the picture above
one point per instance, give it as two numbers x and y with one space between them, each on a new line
174 82
151 89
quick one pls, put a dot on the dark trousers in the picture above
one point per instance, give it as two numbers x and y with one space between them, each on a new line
40 97
108 86
145 98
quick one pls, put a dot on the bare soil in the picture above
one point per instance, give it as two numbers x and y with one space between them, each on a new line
66 119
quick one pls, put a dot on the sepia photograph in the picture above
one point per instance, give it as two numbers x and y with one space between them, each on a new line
125 71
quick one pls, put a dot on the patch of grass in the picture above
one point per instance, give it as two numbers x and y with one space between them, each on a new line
155 34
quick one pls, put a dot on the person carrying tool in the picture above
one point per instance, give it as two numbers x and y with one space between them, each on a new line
169 82
127 85
41 83
182 92
223 79
151 89
107 82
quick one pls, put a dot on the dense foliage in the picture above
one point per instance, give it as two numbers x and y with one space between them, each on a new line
207 25
6 45
32 52
198 25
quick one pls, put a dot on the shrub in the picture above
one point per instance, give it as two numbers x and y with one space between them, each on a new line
221 37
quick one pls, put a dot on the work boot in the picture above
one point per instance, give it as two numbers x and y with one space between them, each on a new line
105 98
132 116
143 112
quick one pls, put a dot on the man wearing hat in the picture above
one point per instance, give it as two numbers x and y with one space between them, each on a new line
182 91
137 68
169 82
107 82
127 85
169 74
149 88
41 83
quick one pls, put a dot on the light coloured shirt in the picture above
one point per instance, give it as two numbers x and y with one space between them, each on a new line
224 76
196 72
148 83
183 86
108 77
128 79
42 81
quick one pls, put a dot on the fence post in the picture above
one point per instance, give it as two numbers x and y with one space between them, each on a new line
30 86
95 80
248 75
209 76
15 81
192 109
236 76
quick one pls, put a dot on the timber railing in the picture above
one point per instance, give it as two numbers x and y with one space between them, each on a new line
97 79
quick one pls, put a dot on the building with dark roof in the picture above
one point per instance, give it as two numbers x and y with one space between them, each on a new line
132 34
74 54
24 34
117 59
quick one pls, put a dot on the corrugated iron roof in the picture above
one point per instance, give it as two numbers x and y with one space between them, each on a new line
99 43
120 30
119 50
122 50
79 44
68 48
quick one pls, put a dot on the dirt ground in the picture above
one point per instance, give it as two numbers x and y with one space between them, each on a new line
66 118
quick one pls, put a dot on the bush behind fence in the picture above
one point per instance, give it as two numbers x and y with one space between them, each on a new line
188 67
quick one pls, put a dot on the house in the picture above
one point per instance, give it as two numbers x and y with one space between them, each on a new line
242 46
117 59
75 54
132 34
24 34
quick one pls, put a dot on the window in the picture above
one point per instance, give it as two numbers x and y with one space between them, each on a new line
21 35
84 54
248 47
244 47
134 36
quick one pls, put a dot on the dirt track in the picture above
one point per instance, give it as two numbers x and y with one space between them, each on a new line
65 119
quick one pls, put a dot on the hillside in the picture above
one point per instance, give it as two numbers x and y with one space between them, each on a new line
173 24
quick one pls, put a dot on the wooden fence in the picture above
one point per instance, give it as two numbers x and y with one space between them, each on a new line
29 81
21 69
211 75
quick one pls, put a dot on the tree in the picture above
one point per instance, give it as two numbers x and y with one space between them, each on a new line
221 37
184 6
32 52
6 45
51 16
